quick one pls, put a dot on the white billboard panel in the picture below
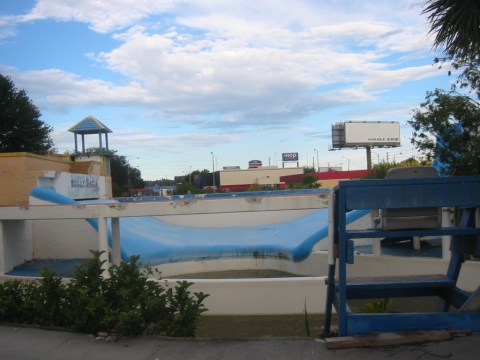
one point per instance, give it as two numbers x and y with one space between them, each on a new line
372 133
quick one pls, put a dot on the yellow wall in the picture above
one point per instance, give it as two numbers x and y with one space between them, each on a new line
19 173
262 176
328 184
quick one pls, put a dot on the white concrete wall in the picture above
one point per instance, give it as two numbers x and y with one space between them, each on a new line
247 214
62 239
15 243
62 183
288 295
262 296
233 219
314 265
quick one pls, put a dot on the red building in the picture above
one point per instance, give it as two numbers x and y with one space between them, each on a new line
328 179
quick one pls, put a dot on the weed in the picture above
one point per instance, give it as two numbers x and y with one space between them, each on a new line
305 318
380 306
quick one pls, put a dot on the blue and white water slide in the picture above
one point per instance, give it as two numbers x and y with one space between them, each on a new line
159 242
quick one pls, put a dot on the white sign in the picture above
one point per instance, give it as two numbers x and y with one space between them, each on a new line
379 133
83 187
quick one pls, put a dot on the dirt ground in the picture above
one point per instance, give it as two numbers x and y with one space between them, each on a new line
211 326
293 325
258 326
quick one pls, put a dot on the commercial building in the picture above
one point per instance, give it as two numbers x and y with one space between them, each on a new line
266 177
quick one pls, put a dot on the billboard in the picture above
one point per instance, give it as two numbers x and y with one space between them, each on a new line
252 164
366 133
290 156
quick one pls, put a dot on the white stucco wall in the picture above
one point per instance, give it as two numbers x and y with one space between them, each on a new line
15 243
75 186
62 239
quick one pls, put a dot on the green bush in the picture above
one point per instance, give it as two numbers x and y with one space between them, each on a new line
12 299
127 302
184 310
86 296
45 300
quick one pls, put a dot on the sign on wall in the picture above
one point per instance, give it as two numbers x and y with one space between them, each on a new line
83 187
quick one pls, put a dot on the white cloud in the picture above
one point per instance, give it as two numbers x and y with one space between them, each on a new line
7 26
231 64
55 89
381 80
215 74
102 16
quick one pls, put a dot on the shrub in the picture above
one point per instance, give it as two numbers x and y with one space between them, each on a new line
12 299
45 300
184 310
86 298
127 302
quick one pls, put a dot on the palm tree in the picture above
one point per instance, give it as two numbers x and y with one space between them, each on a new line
456 24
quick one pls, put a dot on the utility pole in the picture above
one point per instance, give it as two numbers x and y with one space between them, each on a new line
369 157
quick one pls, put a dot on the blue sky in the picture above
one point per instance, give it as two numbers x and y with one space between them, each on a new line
178 80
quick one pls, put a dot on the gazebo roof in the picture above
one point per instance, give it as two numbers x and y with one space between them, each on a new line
89 125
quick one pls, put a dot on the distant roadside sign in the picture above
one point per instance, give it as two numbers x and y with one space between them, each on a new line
292 156
252 164
351 134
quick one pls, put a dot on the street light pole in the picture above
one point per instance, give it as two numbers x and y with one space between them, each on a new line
129 180
213 169
348 162
318 164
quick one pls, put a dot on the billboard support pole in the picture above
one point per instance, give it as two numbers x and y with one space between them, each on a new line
369 158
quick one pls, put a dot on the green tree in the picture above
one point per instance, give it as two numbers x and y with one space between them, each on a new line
20 126
255 187
456 24
447 128
185 188
310 182
380 170
124 176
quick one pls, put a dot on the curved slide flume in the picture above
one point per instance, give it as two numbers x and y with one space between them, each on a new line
158 242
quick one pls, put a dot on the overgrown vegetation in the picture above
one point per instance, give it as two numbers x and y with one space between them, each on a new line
380 170
127 302
379 306
309 181
305 319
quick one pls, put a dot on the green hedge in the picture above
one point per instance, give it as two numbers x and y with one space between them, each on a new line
127 302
